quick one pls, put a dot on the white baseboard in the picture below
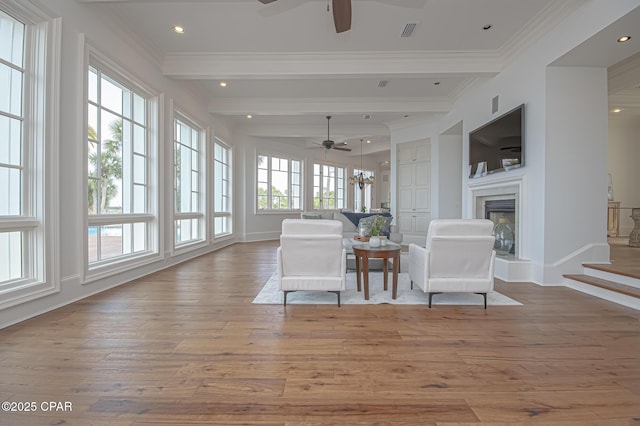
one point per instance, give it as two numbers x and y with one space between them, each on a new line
513 270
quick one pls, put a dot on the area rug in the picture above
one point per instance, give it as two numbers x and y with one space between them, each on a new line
270 294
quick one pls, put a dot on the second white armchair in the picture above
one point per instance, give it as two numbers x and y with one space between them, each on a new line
458 257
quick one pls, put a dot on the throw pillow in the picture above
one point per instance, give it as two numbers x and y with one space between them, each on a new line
311 216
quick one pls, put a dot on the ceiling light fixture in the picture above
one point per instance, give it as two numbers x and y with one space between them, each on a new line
617 110
359 178
623 39
178 29
249 116
223 84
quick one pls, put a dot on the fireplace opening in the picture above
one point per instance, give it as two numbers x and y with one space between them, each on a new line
495 209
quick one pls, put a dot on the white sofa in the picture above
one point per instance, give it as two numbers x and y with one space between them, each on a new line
458 257
311 256
349 229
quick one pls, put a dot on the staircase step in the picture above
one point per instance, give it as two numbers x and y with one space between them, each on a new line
606 284
631 272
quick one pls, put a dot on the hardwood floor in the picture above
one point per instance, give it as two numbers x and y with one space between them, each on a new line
186 346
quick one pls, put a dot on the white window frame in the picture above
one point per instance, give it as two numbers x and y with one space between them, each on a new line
114 265
290 185
339 203
38 221
200 214
227 183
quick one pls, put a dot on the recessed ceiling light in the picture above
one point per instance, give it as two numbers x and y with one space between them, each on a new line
617 110
436 83
624 38
178 29
249 116
223 84
487 27
368 141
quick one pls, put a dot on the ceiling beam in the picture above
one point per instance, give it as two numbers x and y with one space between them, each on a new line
330 65
291 106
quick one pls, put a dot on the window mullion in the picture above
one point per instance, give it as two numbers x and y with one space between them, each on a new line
18 223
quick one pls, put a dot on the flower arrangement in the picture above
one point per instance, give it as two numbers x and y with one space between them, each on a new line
376 226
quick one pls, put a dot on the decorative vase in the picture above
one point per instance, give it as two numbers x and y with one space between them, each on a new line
374 241
610 188
504 237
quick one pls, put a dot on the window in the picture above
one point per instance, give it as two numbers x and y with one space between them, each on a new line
328 187
12 160
362 197
27 142
279 183
188 181
121 223
222 207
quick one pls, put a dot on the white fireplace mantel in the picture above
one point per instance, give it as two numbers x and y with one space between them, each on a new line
502 187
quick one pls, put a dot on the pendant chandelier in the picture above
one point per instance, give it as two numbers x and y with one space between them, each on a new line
359 178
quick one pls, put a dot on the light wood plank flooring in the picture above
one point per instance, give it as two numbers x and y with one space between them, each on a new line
186 346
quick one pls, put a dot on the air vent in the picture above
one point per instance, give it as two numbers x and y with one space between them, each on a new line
367 117
383 83
408 30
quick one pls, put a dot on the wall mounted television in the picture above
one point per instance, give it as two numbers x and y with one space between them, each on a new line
497 146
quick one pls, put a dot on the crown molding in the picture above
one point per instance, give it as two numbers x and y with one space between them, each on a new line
624 75
137 42
546 20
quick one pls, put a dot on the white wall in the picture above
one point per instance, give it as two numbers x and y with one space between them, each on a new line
255 226
576 169
114 42
556 241
450 169
624 165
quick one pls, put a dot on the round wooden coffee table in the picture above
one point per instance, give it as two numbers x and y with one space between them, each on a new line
364 252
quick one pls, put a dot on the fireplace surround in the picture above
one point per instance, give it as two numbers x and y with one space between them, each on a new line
504 197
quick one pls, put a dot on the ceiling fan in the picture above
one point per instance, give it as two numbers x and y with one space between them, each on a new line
341 13
329 144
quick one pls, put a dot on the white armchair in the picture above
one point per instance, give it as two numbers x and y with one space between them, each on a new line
458 257
311 256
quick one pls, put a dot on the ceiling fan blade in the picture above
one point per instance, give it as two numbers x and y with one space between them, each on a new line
266 1
342 15
341 149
